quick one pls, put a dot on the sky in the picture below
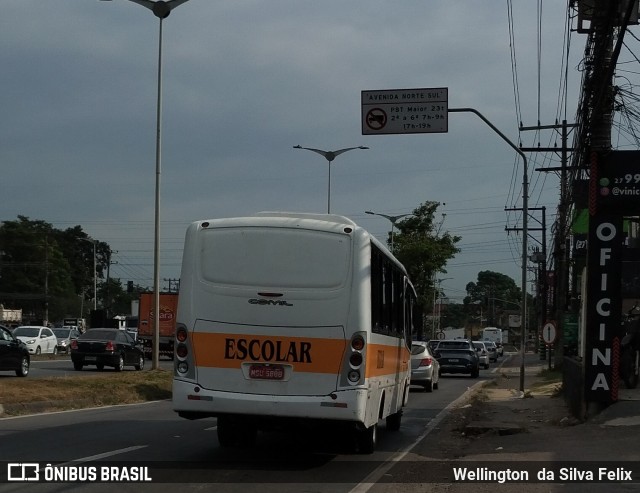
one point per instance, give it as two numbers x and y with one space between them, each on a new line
246 80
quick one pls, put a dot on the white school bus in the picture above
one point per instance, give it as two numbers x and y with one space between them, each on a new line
287 317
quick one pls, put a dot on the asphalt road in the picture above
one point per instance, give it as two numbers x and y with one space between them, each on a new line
153 435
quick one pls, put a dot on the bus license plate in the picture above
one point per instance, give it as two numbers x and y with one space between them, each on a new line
265 372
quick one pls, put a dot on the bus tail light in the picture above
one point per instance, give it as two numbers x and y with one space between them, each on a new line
353 365
183 361
181 351
181 334
355 359
357 343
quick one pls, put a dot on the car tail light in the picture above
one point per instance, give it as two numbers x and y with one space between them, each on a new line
426 362
109 346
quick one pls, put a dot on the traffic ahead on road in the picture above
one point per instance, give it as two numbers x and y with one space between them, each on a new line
153 436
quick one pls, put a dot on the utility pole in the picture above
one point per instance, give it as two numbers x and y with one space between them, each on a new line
561 249
595 114
542 294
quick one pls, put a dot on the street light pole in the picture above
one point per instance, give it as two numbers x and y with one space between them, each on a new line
329 156
95 272
161 10
439 299
393 220
525 231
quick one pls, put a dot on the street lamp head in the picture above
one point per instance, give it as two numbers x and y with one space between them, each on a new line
161 9
369 212
363 147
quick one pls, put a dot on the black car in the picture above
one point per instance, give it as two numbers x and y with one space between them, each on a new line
14 355
106 347
458 356
433 344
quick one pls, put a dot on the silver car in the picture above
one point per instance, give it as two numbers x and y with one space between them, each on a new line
65 335
492 350
425 369
483 353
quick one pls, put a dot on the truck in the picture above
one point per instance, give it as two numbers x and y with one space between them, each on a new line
494 334
10 317
453 333
75 322
146 322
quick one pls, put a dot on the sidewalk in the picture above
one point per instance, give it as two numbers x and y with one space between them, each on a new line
496 426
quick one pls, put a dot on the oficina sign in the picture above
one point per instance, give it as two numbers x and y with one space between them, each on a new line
604 304
614 185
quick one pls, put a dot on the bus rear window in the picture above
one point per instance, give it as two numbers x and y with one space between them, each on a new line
274 257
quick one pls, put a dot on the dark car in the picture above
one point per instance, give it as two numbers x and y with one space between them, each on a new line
65 335
433 344
106 347
14 355
458 356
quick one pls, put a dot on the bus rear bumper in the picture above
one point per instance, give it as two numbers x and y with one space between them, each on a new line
344 405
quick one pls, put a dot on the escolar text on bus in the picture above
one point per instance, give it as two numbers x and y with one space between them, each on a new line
260 350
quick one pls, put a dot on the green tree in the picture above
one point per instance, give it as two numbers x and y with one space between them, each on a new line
115 299
424 250
492 294
34 272
454 315
47 272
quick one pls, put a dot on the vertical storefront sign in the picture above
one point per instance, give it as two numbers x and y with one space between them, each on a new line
604 303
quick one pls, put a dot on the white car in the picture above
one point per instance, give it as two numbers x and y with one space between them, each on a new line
39 340
483 353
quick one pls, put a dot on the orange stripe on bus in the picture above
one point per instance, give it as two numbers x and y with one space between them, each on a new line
383 359
304 354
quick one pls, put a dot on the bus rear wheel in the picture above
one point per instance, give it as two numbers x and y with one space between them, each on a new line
226 432
394 421
366 439
232 431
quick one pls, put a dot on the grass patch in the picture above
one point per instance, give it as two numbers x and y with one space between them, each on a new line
85 391
550 383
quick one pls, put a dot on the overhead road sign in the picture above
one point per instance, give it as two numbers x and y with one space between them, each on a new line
405 111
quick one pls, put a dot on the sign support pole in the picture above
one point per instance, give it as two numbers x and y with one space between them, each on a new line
525 213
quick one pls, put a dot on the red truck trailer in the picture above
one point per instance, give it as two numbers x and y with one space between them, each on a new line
146 319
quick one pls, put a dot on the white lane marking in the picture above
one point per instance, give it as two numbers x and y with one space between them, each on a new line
104 455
